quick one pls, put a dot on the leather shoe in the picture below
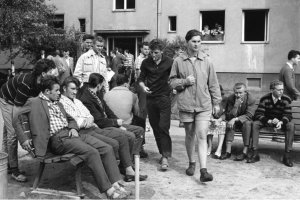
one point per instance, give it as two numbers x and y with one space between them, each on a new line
214 156
253 159
129 178
191 169
287 162
241 157
225 156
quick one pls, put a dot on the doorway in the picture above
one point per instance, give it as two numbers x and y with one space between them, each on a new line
130 43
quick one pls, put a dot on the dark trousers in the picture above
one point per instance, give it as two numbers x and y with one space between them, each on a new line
136 136
244 127
115 138
141 122
289 130
98 156
159 112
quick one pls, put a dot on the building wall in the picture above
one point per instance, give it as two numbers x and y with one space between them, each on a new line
73 10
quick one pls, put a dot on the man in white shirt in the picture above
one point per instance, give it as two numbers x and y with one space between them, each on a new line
92 62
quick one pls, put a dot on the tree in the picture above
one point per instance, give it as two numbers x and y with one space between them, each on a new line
24 21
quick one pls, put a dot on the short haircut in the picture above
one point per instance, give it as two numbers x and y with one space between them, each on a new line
95 79
156 44
126 51
274 83
47 82
293 54
65 49
98 39
144 44
121 79
192 33
239 86
113 51
87 36
43 65
68 80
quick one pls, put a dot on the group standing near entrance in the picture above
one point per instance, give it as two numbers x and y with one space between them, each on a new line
97 109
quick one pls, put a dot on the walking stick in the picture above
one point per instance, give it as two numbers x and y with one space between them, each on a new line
137 176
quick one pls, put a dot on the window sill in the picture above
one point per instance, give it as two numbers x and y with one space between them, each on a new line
124 10
255 42
172 31
213 42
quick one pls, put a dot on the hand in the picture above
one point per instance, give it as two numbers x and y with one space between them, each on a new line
123 128
120 122
27 145
270 122
147 90
73 133
279 124
230 124
190 80
275 121
88 122
174 91
216 109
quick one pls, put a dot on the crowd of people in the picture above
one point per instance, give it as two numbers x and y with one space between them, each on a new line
78 110
214 34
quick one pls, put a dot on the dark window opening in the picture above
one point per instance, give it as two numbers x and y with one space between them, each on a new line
82 25
213 25
119 4
172 23
58 22
255 25
130 4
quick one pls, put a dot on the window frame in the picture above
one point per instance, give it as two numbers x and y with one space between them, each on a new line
80 24
125 9
267 26
169 24
63 20
201 24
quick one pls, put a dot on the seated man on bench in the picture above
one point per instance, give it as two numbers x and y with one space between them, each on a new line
274 110
52 128
238 114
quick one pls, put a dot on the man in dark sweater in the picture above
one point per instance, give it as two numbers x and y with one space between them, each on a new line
13 94
274 110
287 75
155 71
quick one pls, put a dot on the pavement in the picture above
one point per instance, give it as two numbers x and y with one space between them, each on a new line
267 179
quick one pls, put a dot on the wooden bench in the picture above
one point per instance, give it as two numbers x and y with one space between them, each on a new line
278 135
51 158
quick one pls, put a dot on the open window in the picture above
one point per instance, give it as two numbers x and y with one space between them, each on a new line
82 25
58 21
255 26
124 4
212 26
172 24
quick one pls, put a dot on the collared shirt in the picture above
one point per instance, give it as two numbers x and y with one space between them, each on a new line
76 109
128 62
57 118
89 63
275 99
139 60
200 96
290 65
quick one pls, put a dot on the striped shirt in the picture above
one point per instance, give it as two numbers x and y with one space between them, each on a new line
57 118
267 109
128 60
139 60
19 88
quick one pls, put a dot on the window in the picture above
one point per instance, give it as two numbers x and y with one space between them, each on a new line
82 25
255 25
124 4
254 82
212 25
172 24
58 21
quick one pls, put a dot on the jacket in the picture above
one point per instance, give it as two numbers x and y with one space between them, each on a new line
39 121
205 92
287 76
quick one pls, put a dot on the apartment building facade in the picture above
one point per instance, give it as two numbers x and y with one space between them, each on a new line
257 33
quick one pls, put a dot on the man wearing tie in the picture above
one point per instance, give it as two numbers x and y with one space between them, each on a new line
239 110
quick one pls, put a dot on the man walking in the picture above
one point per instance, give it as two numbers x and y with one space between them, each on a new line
155 71
287 75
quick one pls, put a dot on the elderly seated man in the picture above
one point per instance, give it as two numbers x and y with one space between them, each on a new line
53 128
85 122
104 117
274 110
239 111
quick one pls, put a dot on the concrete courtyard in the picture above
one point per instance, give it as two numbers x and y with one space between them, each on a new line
267 179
